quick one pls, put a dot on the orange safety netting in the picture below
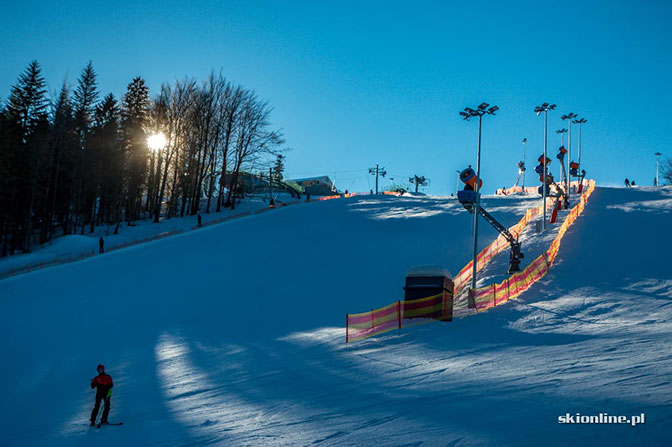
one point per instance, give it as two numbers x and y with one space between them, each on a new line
495 247
378 321
495 294
397 315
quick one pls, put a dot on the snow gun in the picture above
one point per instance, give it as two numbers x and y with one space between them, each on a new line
468 197
574 172
521 170
550 180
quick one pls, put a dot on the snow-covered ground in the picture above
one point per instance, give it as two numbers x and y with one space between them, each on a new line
234 334
73 246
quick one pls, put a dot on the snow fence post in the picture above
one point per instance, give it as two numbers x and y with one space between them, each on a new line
346 329
399 314
494 294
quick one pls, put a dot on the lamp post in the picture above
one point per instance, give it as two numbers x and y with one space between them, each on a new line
524 143
467 114
569 117
562 133
457 182
657 154
545 107
580 121
156 143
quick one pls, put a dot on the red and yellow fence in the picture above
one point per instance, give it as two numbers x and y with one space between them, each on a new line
495 294
500 244
379 321
395 316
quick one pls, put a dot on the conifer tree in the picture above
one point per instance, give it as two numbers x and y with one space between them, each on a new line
134 122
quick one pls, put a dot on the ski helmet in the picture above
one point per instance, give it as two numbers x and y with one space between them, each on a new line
101 368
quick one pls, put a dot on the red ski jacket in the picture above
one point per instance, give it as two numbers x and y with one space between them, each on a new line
103 382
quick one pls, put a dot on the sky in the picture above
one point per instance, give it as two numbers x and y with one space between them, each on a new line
355 84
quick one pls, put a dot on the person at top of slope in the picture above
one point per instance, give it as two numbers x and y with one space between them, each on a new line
103 384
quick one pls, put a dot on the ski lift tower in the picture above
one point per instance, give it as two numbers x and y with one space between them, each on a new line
418 181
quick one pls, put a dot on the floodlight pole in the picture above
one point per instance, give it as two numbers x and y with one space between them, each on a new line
469 113
543 187
569 117
545 107
581 121
658 154
569 157
524 167
457 182
477 205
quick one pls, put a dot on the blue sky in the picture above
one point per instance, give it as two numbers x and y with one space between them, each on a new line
359 83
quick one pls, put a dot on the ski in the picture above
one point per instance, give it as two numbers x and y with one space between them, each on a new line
110 423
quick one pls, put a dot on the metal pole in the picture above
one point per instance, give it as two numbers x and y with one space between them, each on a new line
569 157
543 187
457 182
270 185
476 209
376 179
524 166
657 165
579 145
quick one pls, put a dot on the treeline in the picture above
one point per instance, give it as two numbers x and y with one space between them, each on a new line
83 159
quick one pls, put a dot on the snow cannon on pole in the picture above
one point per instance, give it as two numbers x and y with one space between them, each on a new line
574 172
521 172
561 157
467 197
550 180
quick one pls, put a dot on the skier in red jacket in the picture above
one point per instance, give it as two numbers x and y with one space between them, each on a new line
103 383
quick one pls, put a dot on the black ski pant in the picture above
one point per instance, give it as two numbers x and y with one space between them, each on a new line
106 408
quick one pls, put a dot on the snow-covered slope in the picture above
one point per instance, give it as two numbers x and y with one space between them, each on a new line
233 335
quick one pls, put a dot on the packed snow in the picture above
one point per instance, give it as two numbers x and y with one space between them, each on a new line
234 334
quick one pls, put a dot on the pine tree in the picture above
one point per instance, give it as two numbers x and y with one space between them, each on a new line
84 103
24 129
279 167
107 162
134 122
63 160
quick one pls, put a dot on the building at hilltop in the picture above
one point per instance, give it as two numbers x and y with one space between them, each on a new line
316 186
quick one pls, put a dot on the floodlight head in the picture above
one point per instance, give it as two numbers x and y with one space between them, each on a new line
470 111
465 114
524 140
657 154
552 107
492 110
483 106
544 105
